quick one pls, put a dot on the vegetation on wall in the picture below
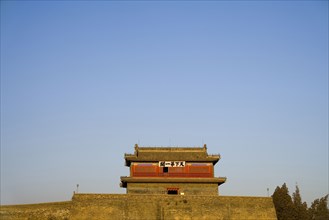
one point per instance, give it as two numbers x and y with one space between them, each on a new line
293 208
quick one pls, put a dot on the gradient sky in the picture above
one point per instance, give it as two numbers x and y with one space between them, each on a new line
83 81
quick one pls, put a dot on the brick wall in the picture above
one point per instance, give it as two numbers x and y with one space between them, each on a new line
161 188
161 207
56 210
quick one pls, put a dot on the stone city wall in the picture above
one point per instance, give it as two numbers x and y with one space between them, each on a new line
56 210
185 188
160 207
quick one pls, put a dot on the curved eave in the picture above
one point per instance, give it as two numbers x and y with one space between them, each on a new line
125 180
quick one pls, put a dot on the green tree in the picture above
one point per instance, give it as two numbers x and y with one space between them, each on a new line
300 207
293 208
319 209
283 203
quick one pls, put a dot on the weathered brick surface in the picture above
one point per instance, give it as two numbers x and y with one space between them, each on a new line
161 188
123 206
56 210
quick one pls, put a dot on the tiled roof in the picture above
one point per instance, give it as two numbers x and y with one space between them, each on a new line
127 179
154 154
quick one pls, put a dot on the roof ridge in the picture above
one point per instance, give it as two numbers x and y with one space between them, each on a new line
169 147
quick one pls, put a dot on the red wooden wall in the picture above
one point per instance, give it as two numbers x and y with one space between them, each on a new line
190 170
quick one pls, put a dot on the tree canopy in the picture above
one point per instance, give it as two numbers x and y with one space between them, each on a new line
293 208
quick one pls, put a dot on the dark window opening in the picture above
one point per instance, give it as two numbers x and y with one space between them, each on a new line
165 169
172 191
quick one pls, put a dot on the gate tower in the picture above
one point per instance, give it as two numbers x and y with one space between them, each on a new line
171 170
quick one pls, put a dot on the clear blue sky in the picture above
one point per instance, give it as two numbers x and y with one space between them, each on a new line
83 81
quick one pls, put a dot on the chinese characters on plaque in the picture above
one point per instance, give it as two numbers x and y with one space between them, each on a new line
171 163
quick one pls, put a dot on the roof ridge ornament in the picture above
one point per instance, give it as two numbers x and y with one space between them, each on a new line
136 149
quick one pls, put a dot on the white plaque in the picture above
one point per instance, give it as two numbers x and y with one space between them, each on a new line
171 163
